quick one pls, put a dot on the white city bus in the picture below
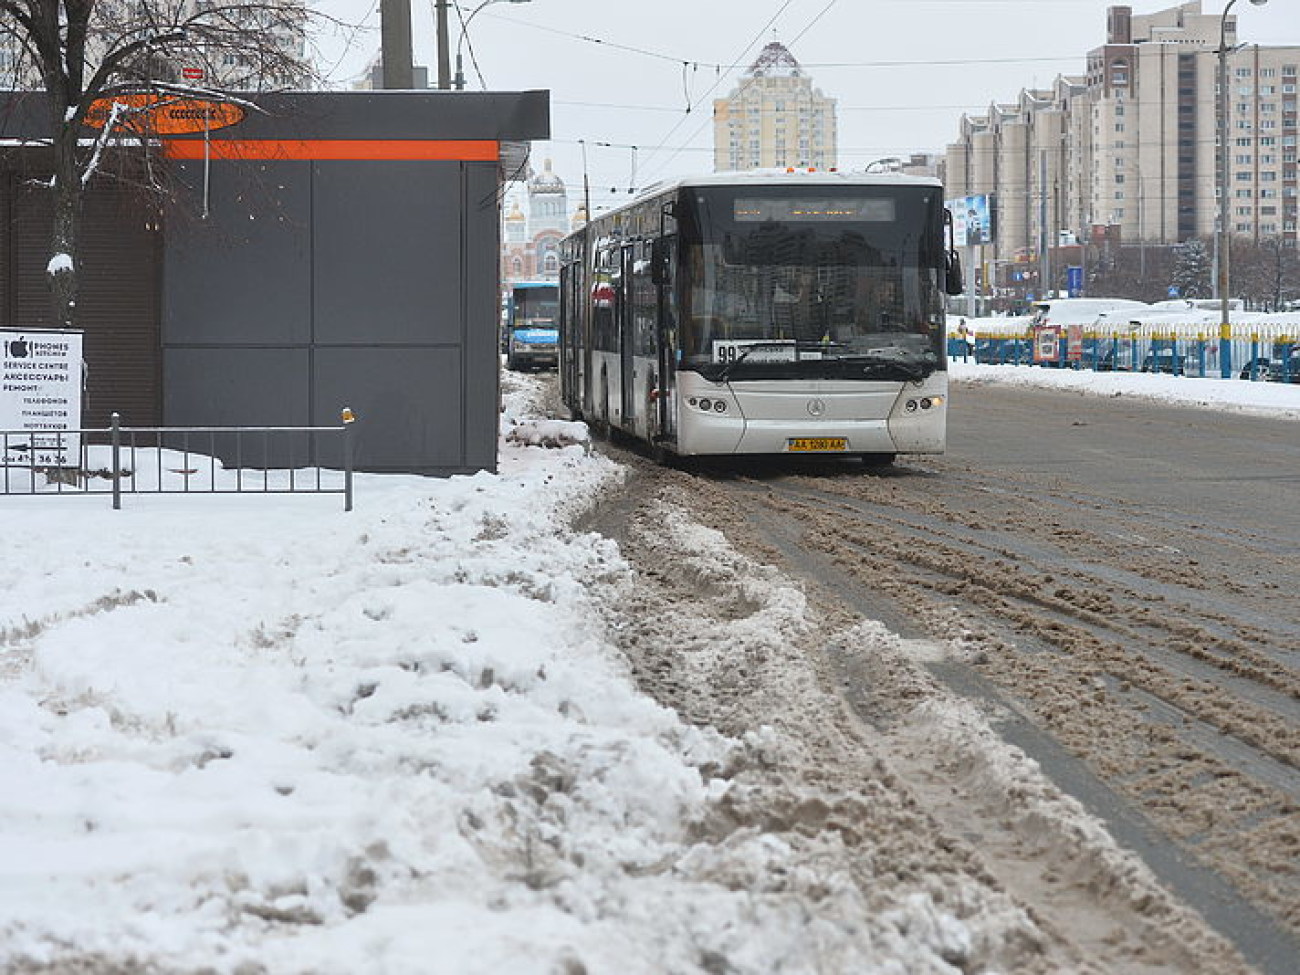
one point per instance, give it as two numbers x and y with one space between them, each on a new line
792 313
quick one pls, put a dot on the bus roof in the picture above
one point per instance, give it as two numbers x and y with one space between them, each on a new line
773 177
781 177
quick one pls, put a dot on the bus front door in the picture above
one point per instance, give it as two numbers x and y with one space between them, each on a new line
627 341
664 261
570 344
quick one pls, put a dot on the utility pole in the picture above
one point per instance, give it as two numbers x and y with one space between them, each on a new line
395 41
444 46
1044 241
1223 237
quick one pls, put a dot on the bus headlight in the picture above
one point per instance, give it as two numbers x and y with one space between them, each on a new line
924 403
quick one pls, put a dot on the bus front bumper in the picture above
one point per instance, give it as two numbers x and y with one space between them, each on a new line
815 418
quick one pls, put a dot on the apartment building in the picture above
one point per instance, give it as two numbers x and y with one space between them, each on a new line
774 118
1128 151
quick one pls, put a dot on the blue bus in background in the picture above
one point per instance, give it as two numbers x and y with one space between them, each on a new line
530 323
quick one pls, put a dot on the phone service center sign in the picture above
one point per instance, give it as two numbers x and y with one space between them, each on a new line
40 397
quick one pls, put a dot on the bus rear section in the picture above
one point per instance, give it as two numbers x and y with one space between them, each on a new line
531 327
765 315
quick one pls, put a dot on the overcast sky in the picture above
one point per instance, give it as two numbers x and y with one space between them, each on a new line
624 73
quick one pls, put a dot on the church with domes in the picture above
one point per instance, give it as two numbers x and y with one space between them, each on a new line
530 241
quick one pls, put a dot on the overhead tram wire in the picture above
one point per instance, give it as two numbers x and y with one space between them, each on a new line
718 81
972 111
1100 147
812 23
958 61
352 31
467 40
743 55
843 108
724 69
718 66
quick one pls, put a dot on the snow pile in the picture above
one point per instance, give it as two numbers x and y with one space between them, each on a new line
258 733
549 433
263 731
1276 399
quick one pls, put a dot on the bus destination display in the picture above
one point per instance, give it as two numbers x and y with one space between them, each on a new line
855 208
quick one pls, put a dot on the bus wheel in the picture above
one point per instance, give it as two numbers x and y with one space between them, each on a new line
662 456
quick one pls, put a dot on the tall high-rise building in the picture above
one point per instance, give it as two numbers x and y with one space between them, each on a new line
774 118
1129 150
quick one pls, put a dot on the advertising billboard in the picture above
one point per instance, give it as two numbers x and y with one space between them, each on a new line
40 397
972 220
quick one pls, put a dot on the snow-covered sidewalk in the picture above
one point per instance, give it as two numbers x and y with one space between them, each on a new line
245 734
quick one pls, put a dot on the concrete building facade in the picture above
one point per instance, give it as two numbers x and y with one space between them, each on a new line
1129 150
774 118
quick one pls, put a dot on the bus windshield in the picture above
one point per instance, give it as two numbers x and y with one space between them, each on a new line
536 307
822 274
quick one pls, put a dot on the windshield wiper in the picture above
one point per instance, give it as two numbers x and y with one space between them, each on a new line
903 363
911 367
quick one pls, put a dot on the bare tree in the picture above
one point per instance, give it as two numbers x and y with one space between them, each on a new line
1142 272
1266 272
110 68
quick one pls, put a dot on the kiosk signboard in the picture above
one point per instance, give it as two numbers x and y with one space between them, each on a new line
1047 343
40 397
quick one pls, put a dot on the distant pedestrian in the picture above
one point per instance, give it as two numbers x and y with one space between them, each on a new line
963 333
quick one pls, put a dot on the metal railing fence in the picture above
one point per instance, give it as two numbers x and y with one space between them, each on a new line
1260 355
117 460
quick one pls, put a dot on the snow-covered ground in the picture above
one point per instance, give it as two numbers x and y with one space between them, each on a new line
1234 394
244 734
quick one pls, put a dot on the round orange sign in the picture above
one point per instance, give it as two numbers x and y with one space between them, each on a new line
149 113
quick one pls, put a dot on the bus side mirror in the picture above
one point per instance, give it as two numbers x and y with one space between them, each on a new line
659 256
952 274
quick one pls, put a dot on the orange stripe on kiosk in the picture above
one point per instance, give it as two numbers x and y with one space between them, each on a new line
456 150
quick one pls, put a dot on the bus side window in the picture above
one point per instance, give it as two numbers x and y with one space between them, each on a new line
671 298
644 306
603 294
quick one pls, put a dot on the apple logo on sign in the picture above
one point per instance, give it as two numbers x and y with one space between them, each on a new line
17 348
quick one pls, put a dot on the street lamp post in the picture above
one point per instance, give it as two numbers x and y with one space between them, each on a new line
1224 288
459 83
